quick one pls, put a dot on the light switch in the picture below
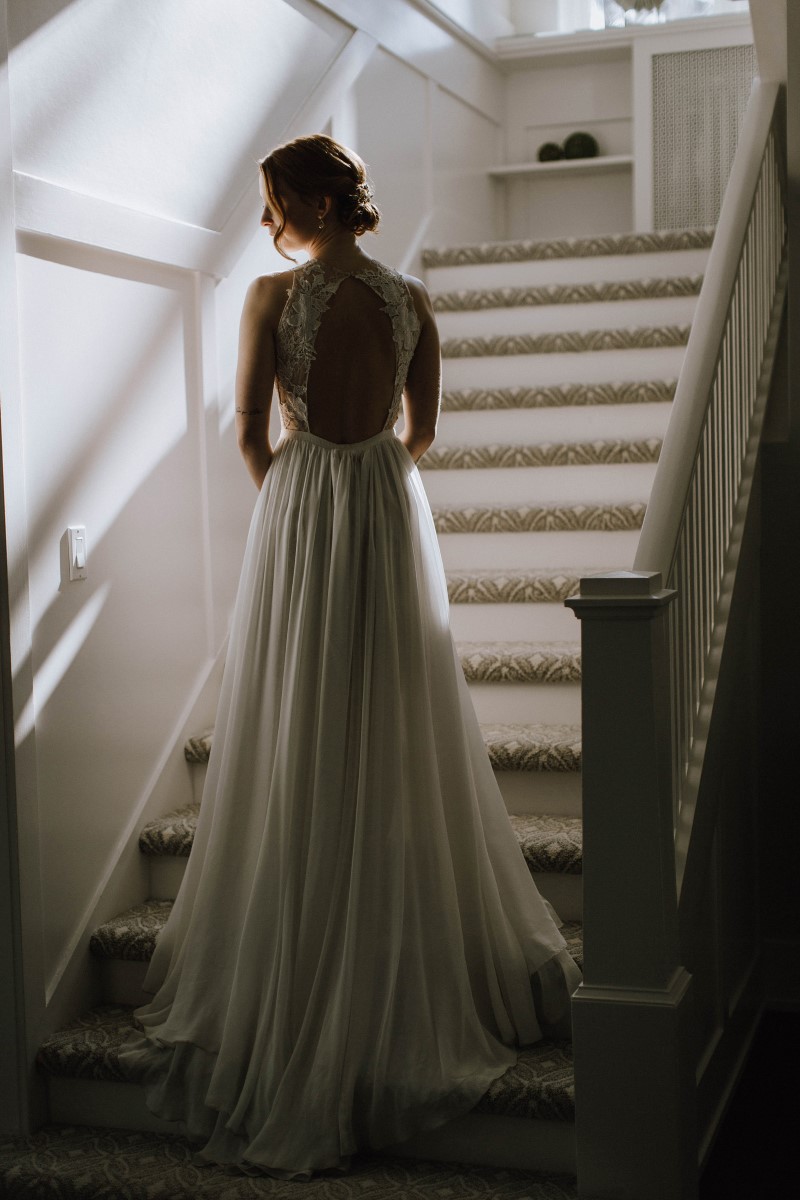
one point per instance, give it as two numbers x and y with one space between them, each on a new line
77 551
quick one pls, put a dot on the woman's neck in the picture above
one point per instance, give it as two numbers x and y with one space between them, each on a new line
337 248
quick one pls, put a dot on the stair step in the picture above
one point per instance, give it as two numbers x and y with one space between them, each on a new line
585 366
538 518
584 247
533 747
533 1103
602 291
538 1086
554 842
543 454
516 622
512 586
515 747
622 423
520 662
97 1163
638 391
510 748
644 337
558 320
537 768
463 548
556 485
523 682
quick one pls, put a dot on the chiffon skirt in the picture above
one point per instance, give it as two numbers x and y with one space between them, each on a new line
357 947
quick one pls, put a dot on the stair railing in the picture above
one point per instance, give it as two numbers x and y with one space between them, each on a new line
670 654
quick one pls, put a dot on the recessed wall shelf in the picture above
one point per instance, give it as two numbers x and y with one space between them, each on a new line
564 166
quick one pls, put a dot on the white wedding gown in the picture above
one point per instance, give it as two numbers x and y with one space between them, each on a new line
357 946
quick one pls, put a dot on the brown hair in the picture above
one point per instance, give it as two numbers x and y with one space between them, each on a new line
319 166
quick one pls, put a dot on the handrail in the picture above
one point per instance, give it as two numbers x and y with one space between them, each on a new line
664 649
688 534
661 527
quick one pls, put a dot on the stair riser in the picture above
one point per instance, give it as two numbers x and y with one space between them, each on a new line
665 264
532 426
565 893
599 550
563 318
480 1138
527 703
513 622
594 484
541 793
545 370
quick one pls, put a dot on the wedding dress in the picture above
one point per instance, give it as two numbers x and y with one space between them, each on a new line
357 947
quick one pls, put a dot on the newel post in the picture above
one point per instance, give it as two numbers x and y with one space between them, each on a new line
634 1054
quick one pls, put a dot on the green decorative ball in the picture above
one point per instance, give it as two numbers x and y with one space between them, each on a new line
549 152
580 145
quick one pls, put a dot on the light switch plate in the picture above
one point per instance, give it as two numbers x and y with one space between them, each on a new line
76 540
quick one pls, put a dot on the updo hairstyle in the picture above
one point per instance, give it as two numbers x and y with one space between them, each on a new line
319 166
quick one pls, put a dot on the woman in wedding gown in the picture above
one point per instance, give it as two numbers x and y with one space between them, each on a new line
357 947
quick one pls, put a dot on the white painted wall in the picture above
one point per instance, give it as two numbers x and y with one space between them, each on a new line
547 100
134 137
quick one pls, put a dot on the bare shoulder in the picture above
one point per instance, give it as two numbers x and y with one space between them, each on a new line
420 296
266 296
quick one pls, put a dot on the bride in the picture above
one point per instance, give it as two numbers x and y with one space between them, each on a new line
357 948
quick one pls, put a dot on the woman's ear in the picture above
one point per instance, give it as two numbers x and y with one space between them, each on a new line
324 206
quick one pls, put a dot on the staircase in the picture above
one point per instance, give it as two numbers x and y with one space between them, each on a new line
560 363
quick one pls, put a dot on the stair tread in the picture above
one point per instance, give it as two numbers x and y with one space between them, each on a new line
539 1086
542 454
565 395
481 299
511 747
582 247
533 747
174 833
520 662
131 936
513 585
537 518
638 337
92 1161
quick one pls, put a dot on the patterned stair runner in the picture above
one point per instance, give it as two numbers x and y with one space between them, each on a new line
537 518
648 391
131 936
548 843
90 1163
586 247
477 299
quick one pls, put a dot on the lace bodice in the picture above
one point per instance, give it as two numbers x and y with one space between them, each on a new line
313 288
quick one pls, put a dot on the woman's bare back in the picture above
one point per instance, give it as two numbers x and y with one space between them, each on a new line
351 381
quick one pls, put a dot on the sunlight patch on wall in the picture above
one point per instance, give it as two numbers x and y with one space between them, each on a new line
159 105
55 666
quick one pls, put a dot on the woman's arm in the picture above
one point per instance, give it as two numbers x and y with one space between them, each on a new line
255 377
423 388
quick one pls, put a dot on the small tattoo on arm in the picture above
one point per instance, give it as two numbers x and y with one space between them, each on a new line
247 412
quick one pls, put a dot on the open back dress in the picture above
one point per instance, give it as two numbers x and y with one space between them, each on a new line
357 948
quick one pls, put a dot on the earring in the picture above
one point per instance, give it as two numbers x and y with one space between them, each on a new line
322 223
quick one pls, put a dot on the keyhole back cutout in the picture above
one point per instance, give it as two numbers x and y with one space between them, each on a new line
352 376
